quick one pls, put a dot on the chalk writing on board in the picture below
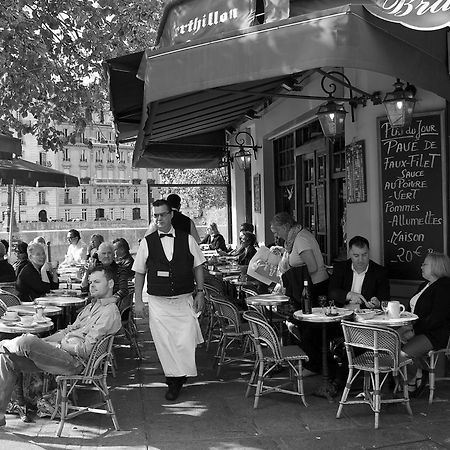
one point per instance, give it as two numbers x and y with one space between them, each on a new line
411 168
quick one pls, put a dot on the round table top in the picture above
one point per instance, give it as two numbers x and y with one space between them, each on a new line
384 320
61 301
17 328
318 315
28 310
267 299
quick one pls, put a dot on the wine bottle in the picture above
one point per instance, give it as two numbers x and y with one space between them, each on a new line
306 298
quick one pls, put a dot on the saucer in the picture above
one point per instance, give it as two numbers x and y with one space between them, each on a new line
43 320
10 320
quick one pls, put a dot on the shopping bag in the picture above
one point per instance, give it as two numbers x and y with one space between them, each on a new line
264 265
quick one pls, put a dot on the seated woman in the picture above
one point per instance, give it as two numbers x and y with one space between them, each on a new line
38 276
6 269
432 305
22 257
214 239
249 249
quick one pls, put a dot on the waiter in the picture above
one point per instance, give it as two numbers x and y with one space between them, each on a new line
171 259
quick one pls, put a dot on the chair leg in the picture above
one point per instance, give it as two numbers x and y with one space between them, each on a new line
348 385
376 398
221 355
300 382
404 373
108 403
63 410
252 377
259 385
113 364
432 377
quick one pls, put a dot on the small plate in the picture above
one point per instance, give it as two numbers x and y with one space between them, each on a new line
21 325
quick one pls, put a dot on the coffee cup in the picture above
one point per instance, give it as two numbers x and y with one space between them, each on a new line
11 315
26 321
395 309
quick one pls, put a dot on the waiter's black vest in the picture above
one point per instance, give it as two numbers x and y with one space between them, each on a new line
180 269
181 222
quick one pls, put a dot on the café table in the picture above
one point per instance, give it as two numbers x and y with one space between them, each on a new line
383 319
267 301
16 327
29 309
67 303
320 316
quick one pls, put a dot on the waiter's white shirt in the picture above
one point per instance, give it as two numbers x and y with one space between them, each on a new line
140 262
358 280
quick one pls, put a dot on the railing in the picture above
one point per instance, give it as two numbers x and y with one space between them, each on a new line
84 201
67 201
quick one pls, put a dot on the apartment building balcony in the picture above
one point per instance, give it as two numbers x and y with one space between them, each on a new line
111 181
85 180
136 181
136 200
85 201
67 201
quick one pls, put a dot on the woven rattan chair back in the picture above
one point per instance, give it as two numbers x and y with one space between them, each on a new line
9 299
263 333
378 339
99 359
227 313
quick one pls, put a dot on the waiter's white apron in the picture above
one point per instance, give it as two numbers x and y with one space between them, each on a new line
176 333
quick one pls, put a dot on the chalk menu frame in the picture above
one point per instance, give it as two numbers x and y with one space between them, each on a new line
413 193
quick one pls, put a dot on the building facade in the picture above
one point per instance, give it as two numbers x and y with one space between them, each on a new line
110 189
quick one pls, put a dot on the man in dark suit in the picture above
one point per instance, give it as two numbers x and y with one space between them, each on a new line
359 280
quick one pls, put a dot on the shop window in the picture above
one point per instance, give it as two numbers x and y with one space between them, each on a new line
284 173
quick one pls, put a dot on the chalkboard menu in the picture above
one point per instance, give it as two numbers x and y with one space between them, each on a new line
412 193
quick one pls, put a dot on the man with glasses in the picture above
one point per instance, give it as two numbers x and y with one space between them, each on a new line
76 253
171 260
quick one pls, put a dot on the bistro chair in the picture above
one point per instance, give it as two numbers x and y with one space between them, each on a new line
431 362
209 317
374 351
8 299
232 330
94 375
270 357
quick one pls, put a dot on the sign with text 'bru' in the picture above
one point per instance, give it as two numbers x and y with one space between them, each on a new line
412 193
415 14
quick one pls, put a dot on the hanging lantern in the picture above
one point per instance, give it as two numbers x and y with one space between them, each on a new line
400 104
332 118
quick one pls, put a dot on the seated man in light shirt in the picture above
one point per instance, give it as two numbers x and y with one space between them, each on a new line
77 250
359 281
67 351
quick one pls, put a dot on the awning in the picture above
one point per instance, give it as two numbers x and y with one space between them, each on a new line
205 87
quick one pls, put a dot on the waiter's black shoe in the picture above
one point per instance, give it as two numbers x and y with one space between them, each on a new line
175 384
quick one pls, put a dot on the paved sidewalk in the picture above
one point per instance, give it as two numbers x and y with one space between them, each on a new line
214 414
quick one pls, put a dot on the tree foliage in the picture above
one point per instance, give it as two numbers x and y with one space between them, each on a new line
51 55
197 199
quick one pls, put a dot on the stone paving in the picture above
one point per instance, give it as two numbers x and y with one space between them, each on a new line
213 413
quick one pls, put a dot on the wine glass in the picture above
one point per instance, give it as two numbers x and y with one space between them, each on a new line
322 302
384 306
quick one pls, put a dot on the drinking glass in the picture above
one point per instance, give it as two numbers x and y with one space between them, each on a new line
322 302
384 306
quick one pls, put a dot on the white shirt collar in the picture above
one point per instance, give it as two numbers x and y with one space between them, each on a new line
362 273
172 230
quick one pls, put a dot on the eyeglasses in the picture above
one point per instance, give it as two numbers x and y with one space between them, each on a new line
69 238
163 214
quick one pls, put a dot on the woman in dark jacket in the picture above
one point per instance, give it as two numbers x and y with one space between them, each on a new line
38 277
249 250
432 306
